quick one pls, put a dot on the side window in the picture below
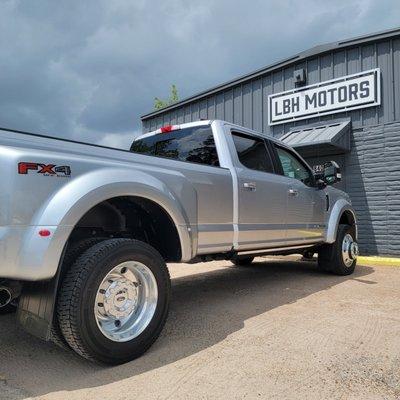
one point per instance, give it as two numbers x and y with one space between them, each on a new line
194 144
252 152
293 167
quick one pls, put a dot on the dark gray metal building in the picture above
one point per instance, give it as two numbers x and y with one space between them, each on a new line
339 101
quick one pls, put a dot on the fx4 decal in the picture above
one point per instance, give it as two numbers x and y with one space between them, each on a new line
44 169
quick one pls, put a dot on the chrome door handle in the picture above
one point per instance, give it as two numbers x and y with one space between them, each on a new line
293 192
250 186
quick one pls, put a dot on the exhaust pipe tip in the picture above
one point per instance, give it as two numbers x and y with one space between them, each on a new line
5 297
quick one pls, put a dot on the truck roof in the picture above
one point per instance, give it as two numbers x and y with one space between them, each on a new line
169 128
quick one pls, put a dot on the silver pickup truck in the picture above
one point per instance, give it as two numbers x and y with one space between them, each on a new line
86 231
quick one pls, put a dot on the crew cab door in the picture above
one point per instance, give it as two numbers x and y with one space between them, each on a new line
305 202
261 194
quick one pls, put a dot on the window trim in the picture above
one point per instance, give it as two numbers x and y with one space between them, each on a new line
275 145
253 137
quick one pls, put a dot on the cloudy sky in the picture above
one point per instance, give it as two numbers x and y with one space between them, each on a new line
88 69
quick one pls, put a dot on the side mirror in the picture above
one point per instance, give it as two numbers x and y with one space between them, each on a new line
327 174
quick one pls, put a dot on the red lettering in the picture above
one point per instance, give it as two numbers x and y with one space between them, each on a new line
47 169
24 167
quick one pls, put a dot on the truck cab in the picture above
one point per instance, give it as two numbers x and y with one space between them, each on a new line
263 195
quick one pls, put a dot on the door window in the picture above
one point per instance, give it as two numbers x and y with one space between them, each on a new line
293 167
252 152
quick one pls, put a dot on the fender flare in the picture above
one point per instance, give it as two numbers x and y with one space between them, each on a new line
66 207
340 207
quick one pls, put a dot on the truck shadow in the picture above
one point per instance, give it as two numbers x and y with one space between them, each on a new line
206 308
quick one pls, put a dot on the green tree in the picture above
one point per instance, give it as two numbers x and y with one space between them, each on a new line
173 98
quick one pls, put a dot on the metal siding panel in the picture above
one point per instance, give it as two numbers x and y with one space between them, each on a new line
288 78
313 71
257 105
385 113
299 66
396 76
219 106
237 105
339 70
181 115
203 109
267 90
288 84
228 105
277 86
146 127
174 117
339 64
188 113
326 67
159 122
166 119
153 124
326 73
313 76
211 107
195 111
247 116
368 61
353 67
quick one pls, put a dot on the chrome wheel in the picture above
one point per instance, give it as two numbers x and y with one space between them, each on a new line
126 301
349 250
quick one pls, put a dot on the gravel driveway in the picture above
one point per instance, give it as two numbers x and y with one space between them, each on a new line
275 330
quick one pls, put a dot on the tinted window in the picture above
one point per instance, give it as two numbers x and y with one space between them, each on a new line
190 144
252 152
293 167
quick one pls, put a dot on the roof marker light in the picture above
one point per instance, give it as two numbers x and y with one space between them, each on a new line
168 128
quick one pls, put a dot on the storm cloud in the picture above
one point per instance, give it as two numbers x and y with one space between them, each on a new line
88 70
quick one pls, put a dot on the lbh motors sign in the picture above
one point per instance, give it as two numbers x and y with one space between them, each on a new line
337 95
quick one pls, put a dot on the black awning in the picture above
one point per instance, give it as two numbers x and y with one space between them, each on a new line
320 140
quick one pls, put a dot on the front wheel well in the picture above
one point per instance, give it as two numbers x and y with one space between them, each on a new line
131 217
348 218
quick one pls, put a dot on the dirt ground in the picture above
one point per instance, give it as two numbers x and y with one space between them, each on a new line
276 330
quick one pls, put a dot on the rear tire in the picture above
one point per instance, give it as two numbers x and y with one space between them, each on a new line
71 255
242 261
112 337
340 257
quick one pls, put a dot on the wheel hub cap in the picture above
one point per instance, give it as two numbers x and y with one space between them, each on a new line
349 250
121 298
126 301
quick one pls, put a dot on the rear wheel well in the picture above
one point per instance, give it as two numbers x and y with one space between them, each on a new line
131 217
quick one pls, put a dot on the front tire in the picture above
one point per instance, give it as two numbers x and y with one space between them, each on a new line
340 257
114 301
